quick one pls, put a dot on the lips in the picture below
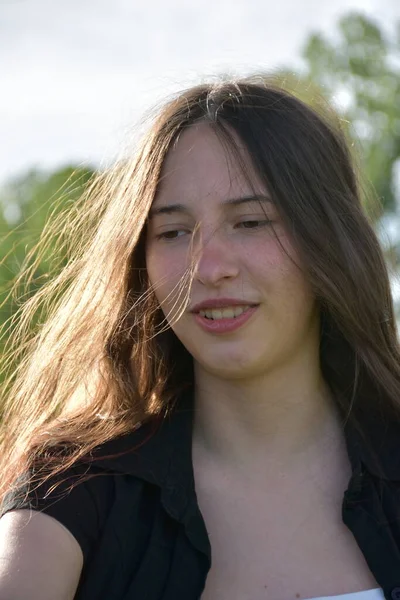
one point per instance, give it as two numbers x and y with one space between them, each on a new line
223 313
225 325
220 303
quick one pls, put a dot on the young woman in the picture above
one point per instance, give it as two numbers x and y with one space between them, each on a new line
211 407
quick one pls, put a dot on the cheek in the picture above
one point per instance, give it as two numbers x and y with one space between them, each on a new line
267 264
294 299
165 272
282 278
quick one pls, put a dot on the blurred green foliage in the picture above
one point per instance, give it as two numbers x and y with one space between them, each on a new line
359 69
27 203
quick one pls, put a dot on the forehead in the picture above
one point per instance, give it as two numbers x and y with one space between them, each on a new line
201 164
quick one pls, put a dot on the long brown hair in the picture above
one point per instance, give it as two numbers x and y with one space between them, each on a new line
103 360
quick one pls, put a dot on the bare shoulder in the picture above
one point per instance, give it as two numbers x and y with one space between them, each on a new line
52 572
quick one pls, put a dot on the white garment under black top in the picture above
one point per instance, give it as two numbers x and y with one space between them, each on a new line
375 594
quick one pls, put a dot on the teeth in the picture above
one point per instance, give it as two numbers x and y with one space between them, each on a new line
228 312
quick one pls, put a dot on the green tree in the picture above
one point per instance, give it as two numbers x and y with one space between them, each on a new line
361 64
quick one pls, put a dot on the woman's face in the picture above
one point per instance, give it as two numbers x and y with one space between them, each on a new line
235 257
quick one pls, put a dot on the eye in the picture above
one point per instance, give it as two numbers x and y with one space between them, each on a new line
170 235
254 224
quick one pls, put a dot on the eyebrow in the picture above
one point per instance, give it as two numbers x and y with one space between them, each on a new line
168 209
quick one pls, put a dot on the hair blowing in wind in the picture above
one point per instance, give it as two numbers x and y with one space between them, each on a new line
99 358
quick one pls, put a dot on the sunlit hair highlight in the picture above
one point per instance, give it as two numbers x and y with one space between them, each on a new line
102 358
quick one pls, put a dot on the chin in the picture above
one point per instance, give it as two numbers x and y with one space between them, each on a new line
229 365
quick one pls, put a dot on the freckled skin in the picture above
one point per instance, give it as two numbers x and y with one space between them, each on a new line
232 261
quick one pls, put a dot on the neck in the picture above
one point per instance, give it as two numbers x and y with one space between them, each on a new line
277 419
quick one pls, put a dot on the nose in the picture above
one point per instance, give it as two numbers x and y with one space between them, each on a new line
214 260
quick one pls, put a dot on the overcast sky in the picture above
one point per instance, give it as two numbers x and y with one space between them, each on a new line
76 75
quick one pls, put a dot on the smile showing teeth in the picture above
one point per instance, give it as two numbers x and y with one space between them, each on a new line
228 312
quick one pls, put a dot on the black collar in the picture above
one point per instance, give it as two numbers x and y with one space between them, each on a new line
160 451
378 451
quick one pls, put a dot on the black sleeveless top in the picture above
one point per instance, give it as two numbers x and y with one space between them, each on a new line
135 514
